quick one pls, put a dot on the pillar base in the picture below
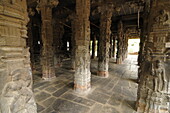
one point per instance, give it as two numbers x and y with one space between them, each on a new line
49 79
104 74
82 89
118 61
58 65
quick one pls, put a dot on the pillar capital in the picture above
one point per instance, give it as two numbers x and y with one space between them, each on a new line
46 4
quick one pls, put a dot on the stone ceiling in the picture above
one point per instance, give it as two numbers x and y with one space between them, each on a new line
125 10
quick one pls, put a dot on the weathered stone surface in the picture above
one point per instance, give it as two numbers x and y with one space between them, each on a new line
84 101
48 102
82 74
15 72
108 109
42 96
65 106
96 109
115 100
47 60
60 91
114 82
40 108
69 96
104 45
153 77
120 43
99 97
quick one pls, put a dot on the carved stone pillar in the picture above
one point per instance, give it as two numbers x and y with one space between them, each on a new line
58 32
31 13
72 17
82 76
104 45
120 43
114 46
94 47
154 83
111 47
126 36
15 72
47 60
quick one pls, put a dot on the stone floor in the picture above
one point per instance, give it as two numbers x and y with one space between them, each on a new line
116 94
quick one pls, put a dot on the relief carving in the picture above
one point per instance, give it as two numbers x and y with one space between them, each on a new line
17 94
162 18
160 79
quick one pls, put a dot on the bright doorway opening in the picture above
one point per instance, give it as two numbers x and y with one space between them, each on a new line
133 46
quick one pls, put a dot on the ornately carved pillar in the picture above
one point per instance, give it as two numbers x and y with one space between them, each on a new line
16 94
31 13
72 17
119 43
154 83
114 46
126 36
104 45
111 47
47 60
82 76
58 32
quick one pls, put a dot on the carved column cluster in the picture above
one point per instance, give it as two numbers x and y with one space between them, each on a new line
47 60
15 72
82 57
119 56
154 83
104 40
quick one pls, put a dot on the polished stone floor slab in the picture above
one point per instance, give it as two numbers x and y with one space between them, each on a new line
115 94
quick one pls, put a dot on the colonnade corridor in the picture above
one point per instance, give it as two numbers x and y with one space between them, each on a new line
115 94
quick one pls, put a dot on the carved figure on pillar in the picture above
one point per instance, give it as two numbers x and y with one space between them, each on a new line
160 79
162 17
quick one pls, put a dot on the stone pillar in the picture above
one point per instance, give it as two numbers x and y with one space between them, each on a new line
125 53
104 45
47 60
31 13
111 47
82 76
58 32
73 40
15 72
94 47
98 47
120 43
114 46
154 84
